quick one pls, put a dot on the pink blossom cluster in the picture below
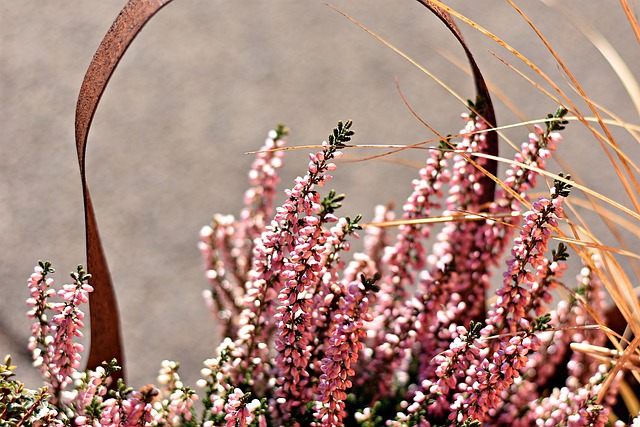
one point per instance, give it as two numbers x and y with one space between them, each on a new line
93 400
52 343
406 332
240 411
486 382
342 351
522 285
430 350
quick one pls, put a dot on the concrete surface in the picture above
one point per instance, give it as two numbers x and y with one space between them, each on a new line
202 85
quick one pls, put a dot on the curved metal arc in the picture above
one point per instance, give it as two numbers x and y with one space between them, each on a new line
106 339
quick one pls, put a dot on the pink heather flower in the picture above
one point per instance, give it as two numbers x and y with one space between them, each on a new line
342 352
261 290
515 297
240 412
302 269
219 374
229 246
535 152
53 346
293 317
68 324
89 385
450 365
40 290
401 263
168 375
264 178
226 245
487 381
135 410
484 386
132 411
591 291
445 293
225 269
465 190
112 413
539 371
330 288
519 180
175 407
179 406
572 407
409 253
454 265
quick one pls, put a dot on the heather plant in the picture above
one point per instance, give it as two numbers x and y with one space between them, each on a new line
410 328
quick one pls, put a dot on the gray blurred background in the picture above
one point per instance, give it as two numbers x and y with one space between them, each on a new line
202 85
